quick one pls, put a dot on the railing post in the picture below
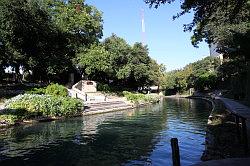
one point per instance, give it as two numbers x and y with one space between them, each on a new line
244 135
175 152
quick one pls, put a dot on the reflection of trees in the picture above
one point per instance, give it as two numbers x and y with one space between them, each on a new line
92 122
19 140
195 112
129 138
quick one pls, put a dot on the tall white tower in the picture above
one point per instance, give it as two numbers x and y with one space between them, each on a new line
143 27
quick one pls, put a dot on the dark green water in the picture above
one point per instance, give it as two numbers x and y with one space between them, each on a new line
131 137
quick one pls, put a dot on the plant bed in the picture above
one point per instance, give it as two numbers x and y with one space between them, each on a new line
29 108
139 99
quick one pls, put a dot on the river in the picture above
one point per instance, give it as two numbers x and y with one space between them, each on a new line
131 137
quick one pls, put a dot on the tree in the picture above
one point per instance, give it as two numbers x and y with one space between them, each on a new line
25 32
199 75
81 23
119 51
95 63
216 21
44 36
156 74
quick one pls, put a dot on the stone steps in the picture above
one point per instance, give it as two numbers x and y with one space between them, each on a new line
93 108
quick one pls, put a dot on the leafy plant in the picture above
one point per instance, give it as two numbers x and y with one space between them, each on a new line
56 90
45 105
38 91
52 89
140 98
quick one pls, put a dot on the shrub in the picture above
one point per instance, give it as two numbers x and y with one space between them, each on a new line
138 97
38 91
10 116
52 89
8 119
103 87
45 105
56 90
134 97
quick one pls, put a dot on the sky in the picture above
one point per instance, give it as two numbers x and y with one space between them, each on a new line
167 42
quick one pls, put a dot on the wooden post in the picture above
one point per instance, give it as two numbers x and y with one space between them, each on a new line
237 120
244 135
175 152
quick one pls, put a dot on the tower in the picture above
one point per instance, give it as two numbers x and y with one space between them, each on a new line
143 27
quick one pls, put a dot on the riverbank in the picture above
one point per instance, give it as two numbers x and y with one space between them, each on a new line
30 108
121 103
34 108
222 136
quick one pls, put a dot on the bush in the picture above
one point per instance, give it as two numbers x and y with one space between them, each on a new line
56 90
45 105
8 119
38 91
10 116
52 89
140 98
103 87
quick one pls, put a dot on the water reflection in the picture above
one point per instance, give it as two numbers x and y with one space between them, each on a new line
131 137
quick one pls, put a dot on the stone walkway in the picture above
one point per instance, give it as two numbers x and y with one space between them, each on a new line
235 107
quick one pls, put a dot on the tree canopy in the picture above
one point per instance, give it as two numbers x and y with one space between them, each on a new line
114 60
44 36
200 75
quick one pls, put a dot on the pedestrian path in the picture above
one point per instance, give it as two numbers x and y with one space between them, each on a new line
236 107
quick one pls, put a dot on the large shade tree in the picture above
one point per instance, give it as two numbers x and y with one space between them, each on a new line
44 35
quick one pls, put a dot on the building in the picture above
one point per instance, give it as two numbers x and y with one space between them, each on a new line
213 52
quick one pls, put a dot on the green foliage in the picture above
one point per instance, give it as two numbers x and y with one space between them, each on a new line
52 89
39 91
10 116
127 66
134 97
8 119
95 61
57 31
222 22
140 98
199 75
56 90
103 87
45 105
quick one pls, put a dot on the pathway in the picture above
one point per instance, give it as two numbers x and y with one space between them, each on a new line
235 107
